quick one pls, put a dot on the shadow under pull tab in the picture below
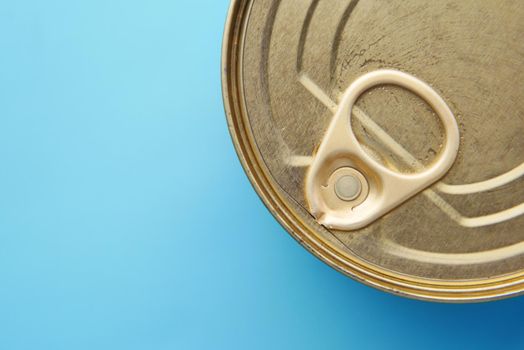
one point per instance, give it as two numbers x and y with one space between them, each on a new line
346 189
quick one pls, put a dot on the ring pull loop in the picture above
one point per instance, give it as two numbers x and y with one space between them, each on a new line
342 163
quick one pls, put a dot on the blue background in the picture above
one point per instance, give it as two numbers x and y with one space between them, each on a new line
126 221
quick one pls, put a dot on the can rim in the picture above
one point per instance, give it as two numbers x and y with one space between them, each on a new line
395 283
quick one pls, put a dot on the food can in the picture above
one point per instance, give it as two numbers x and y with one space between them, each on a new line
387 136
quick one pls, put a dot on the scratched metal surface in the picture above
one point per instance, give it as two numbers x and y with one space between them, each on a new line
470 52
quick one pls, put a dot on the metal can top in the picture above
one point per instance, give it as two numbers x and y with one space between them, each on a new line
386 137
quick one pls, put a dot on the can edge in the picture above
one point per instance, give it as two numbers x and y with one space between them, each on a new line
407 286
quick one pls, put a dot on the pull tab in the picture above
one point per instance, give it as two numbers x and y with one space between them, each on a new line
346 188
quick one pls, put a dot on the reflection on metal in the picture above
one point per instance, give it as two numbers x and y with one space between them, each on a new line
285 61
399 150
457 259
483 186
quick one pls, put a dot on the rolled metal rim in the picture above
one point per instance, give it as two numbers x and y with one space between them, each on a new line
418 288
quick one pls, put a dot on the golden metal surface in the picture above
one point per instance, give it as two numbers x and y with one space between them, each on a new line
286 66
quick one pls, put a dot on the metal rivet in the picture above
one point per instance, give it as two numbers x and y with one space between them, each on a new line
348 188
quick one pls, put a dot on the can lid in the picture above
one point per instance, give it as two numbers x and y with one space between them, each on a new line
386 137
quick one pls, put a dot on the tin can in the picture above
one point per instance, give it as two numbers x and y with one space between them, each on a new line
387 136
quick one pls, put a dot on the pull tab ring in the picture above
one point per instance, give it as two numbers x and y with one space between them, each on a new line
341 154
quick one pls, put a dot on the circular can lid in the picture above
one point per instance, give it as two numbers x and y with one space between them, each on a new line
386 136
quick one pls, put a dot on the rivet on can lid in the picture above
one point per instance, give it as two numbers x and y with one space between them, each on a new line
348 188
